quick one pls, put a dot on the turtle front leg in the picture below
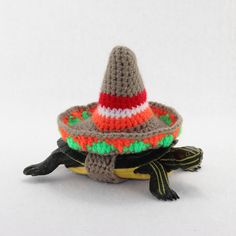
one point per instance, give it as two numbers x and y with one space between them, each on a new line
159 183
186 158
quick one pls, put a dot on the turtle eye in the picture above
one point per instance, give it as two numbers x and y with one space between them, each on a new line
187 154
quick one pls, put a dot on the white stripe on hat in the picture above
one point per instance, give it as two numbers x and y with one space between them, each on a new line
121 113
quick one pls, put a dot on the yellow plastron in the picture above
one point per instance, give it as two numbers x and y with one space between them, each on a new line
125 173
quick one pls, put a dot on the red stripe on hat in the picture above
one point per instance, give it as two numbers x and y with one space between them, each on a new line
117 102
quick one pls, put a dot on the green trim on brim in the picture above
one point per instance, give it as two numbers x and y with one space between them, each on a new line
101 148
72 144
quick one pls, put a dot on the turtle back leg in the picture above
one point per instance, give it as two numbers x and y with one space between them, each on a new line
159 183
56 158
186 158
47 166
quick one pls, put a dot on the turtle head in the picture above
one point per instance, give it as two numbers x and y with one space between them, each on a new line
188 151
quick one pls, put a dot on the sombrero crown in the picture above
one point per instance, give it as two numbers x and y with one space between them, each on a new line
123 101
122 121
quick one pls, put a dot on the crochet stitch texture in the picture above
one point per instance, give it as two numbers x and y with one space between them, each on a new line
122 121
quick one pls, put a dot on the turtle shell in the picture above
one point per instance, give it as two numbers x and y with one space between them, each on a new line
122 161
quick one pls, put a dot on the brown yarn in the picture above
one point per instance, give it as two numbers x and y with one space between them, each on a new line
122 88
122 77
101 168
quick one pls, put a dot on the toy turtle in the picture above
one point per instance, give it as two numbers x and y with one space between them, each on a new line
122 136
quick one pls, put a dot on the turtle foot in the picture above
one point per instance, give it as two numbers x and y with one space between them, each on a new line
169 195
37 169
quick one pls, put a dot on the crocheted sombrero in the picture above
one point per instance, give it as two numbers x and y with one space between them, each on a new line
122 121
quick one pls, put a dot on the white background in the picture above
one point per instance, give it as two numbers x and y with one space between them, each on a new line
53 55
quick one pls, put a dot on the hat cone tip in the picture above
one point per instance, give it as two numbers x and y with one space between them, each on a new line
122 49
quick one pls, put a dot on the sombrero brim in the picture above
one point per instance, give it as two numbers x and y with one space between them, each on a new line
78 130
